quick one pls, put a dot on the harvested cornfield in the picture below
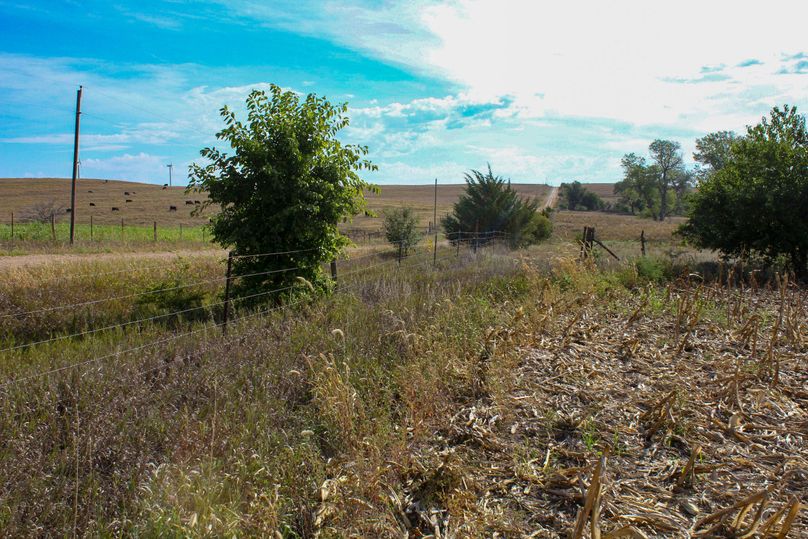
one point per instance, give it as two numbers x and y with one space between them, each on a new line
673 412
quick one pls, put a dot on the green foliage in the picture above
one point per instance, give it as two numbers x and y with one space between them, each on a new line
713 151
285 187
574 196
757 204
652 188
400 228
491 205
652 269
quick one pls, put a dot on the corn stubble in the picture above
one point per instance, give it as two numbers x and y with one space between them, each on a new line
484 399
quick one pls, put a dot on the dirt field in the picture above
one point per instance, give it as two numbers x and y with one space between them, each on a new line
151 203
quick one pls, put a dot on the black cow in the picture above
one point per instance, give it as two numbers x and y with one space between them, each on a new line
92 203
115 209
128 200
172 208
197 202
126 193
189 202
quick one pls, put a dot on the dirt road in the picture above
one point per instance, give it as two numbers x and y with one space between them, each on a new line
551 200
15 262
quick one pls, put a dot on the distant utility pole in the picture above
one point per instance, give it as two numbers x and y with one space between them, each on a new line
170 168
435 224
75 168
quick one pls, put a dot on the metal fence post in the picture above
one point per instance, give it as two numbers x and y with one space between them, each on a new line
228 280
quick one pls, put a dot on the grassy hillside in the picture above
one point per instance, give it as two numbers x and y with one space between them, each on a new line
150 203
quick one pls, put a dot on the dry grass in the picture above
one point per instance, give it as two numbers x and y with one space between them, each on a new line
151 203
507 394
569 225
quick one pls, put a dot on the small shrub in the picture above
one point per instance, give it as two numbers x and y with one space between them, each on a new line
651 269
400 228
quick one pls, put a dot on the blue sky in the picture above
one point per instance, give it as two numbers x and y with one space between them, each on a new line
544 91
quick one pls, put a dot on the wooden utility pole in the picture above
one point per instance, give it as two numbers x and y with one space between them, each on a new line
435 225
75 168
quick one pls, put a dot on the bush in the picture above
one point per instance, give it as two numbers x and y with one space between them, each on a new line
285 184
400 228
490 207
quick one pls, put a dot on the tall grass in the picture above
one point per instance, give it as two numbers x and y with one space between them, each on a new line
213 435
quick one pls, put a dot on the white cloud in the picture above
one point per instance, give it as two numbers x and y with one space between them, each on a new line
634 61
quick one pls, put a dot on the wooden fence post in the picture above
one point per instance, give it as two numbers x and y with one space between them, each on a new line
121 228
180 230
91 228
53 227
400 246
12 225
227 291
334 270
155 230
642 242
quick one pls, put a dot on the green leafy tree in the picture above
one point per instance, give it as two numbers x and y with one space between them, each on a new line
284 187
488 205
574 196
713 150
400 228
667 157
757 203
638 189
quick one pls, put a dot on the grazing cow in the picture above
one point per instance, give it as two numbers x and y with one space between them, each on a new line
115 209
92 203
89 191
165 187
197 202
189 202
128 200
126 193
172 208
68 210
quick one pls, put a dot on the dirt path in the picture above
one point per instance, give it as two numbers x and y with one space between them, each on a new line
14 262
551 200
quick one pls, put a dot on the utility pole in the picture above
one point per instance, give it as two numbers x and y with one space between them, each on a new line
435 225
75 168
170 168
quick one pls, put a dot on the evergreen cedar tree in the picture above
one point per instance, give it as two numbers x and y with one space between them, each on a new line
490 205
757 202
285 186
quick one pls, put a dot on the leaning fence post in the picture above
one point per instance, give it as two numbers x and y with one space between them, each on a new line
334 270
228 280
642 242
